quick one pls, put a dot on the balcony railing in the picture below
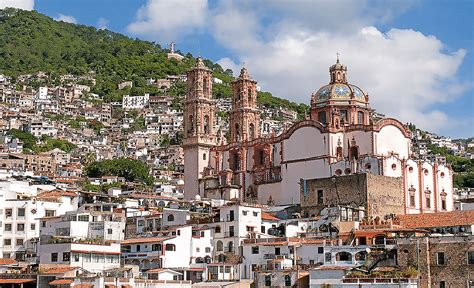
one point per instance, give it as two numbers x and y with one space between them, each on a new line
273 256
270 175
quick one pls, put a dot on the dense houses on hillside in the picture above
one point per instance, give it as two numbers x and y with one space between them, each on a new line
240 195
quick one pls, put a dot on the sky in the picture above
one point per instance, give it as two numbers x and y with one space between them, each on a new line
414 58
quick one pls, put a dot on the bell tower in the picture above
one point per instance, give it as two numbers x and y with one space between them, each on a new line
244 117
199 130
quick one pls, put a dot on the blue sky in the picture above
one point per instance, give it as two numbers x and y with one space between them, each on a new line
414 58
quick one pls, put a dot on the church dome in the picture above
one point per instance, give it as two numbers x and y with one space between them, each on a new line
339 90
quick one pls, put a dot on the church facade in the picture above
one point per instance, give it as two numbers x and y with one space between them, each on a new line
340 137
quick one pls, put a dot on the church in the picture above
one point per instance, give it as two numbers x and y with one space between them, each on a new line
340 137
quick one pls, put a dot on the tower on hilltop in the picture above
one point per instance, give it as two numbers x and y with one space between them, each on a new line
244 118
199 130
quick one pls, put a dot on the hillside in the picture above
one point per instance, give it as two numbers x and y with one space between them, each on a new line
32 42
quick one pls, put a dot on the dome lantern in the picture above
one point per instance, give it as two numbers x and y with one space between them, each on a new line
338 72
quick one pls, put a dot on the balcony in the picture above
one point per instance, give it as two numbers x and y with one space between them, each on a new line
273 256
270 175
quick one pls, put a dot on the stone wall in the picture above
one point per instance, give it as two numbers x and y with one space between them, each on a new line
380 195
456 272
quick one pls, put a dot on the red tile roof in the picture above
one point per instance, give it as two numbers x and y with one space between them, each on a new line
442 219
61 282
60 270
268 216
8 261
16 281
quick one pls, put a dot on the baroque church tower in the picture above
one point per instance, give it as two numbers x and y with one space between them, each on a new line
244 117
199 130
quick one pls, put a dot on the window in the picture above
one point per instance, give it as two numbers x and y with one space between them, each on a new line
219 246
20 227
156 247
328 257
412 200
244 212
231 231
33 226
322 117
443 204
442 284
19 242
43 224
86 257
255 214
218 229
360 117
204 156
208 249
344 116
428 202
227 269
49 213
66 256
231 215
287 280
268 280
21 212
83 218
170 218
8 227
470 257
170 247
440 260
320 250
54 257
320 196
255 250
202 233
76 257
277 250
8 212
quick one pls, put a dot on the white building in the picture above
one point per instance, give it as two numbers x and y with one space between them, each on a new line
135 102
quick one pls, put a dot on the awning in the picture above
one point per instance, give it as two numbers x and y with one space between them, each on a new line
61 282
110 286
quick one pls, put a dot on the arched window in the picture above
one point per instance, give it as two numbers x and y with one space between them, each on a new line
360 117
170 247
219 246
217 229
237 132
251 131
249 94
191 124
199 260
230 246
206 124
170 218
221 258
205 84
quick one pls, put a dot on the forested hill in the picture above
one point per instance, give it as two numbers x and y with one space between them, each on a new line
32 42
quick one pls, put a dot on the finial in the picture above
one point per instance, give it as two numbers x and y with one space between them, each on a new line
337 57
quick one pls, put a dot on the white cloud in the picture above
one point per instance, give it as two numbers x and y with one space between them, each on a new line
102 23
21 4
289 45
165 20
66 18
